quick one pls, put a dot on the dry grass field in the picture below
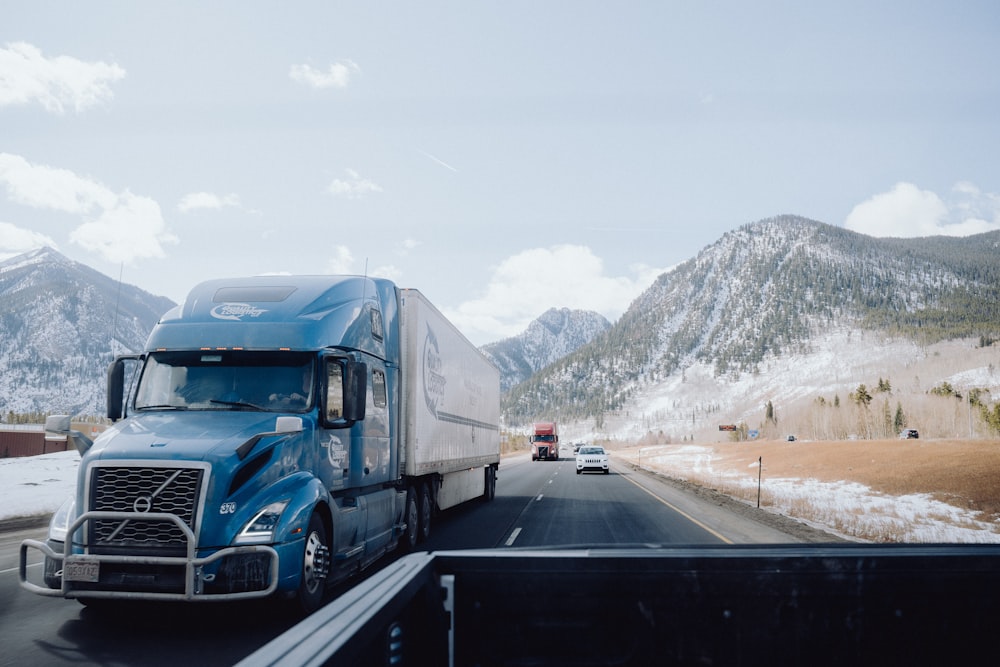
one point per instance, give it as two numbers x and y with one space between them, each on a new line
960 474
965 473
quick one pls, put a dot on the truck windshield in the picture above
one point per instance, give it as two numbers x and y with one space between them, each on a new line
227 380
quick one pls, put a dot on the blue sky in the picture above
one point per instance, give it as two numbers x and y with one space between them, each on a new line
502 157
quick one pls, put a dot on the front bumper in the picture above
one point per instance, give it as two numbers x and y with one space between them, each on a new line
250 571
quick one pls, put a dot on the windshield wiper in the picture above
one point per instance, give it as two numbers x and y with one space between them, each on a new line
165 406
237 404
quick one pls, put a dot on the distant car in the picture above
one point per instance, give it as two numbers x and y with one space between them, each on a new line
791 438
577 446
591 458
908 434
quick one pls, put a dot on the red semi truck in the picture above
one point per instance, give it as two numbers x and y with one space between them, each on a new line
545 442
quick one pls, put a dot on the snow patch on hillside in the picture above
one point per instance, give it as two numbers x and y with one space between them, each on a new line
695 401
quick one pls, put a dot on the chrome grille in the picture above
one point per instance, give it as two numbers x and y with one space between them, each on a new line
140 490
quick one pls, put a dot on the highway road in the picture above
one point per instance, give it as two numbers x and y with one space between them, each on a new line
538 504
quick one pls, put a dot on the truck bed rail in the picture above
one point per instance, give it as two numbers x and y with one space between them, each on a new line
733 605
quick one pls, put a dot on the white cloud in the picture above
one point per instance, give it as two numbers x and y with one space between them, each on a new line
524 286
337 75
976 211
41 186
15 240
200 200
342 260
132 229
56 83
354 187
119 227
907 211
388 271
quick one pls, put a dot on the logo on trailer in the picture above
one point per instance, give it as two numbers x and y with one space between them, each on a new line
434 381
236 311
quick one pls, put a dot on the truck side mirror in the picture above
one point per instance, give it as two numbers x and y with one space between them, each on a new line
345 397
116 389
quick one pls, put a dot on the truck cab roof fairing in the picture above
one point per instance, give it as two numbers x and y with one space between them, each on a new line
266 312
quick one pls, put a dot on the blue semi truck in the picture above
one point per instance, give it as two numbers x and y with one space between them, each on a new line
276 435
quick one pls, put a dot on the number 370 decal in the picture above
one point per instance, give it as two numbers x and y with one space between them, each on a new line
227 508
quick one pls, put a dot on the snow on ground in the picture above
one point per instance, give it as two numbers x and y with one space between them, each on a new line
33 485
848 509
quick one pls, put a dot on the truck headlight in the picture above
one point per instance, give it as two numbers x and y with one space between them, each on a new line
61 520
260 529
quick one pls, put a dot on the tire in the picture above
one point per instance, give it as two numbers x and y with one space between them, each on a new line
412 517
490 485
426 510
578 471
315 566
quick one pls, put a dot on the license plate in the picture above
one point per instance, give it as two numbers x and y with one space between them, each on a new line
82 570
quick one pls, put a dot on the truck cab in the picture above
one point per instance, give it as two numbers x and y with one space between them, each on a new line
260 446
545 442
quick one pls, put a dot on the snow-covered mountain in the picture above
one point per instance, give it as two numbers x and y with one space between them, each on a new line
779 311
61 323
556 333
769 291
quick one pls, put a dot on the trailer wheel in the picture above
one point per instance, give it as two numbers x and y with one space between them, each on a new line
426 508
490 488
315 566
412 518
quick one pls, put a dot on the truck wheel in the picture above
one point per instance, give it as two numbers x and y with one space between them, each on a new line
315 566
425 512
412 518
490 489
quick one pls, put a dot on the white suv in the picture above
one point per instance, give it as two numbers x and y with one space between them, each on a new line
591 458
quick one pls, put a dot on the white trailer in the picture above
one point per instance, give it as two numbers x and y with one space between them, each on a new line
451 407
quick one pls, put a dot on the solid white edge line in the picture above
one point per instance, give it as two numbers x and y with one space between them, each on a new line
513 536
680 511
14 569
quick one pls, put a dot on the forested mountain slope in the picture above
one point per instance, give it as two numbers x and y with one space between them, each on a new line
61 323
767 289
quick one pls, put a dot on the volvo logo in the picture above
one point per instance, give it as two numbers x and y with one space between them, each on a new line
142 504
